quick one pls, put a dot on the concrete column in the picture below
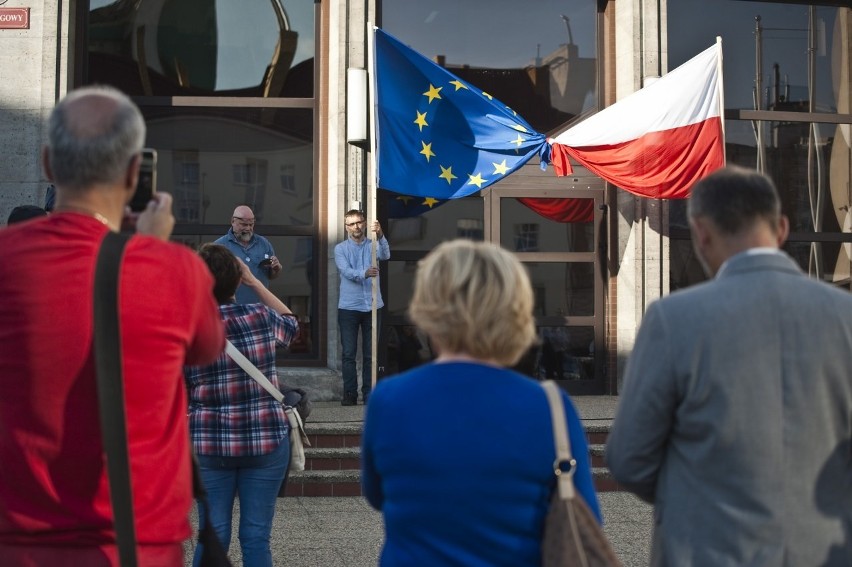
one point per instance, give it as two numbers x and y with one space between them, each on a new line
29 87
348 165
643 248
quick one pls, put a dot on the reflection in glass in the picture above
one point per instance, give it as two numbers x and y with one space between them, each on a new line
525 230
213 159
400 281
203 47
542 64
432 223
407 348
563 289
834 256
801 64
565 353
791 40
685 268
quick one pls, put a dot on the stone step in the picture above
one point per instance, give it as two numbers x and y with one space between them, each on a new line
332 462
348 434
318 482
334 458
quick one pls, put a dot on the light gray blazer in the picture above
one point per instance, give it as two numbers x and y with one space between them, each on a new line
735 419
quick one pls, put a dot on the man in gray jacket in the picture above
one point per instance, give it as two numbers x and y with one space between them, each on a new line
735 419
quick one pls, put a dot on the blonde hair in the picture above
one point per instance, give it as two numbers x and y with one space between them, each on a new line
474 298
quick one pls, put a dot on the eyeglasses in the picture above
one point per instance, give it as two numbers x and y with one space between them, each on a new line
244 222
354 223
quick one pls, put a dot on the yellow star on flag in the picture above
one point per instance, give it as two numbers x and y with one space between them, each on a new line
458 84
404 198
485 94
430 202
421 120
476 180
427 150
519 141
520 128
447 173
433 93
500 168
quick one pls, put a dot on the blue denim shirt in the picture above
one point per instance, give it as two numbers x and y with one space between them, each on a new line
258 249
356 291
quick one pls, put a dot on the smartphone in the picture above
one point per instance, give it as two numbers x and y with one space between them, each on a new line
147 185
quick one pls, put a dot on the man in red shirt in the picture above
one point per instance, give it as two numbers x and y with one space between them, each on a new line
54 496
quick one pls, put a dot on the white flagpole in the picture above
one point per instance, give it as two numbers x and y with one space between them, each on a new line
371 193
721 84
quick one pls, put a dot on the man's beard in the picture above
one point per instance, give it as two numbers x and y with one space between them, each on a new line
244 235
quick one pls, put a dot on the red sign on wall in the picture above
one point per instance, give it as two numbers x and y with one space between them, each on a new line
14 18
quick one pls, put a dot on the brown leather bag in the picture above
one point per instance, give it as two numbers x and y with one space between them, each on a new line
572 535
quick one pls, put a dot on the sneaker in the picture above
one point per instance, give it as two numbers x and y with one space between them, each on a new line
349 399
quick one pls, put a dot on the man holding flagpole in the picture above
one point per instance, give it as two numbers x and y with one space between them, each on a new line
354 262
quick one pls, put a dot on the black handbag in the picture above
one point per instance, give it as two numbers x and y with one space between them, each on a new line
107 352
297 398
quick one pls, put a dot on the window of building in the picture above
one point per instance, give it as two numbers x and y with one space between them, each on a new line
526 237
539 58
473 229
788 99
228 94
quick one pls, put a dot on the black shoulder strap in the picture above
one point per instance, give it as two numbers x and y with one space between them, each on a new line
107 350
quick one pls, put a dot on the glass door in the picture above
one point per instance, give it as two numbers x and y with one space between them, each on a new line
556 228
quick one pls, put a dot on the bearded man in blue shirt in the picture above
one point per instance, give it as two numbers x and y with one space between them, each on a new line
254 250
353 257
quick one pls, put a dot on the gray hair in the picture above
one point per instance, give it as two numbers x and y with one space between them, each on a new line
81 154
733 198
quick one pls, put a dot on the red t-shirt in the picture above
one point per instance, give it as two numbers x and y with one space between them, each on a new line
53 483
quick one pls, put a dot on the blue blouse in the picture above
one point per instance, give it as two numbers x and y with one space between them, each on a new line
459 458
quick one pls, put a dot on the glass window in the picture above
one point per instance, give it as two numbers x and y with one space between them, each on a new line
539 57
223 150
565 353
203 48
213 159
420 224
563 289
791 39
294 286
407 347
533 230
802 68
400 281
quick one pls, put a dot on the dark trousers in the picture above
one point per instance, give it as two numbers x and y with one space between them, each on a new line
351 323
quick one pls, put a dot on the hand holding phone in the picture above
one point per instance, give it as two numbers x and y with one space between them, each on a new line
147 185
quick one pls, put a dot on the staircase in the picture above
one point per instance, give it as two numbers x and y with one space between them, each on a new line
333 461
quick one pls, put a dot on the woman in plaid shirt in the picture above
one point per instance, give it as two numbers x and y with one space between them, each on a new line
239 431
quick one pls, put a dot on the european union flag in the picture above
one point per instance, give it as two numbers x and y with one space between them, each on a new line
438 136
405 206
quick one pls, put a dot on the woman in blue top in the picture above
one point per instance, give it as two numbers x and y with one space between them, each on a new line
458 454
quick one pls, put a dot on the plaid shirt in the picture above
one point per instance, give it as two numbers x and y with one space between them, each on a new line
230 414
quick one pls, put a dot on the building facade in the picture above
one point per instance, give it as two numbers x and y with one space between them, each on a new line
254 103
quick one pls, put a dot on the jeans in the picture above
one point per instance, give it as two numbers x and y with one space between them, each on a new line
256 481
350 322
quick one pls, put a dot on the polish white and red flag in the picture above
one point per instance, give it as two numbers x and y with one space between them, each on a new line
658 141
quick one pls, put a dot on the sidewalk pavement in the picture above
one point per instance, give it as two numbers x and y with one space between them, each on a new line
346 532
